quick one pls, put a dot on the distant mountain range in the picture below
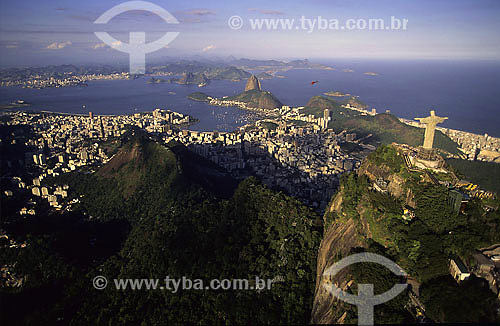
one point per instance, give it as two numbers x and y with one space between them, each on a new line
226 73
234 69
230 73
191 79
273 64
228 69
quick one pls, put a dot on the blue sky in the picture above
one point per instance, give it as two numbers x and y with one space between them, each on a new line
34 32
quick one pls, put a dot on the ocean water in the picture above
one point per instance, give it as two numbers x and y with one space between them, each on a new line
466 92
131 96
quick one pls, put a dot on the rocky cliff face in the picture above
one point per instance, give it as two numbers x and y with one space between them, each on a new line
252 84
369 213
338 240
268 101
394 182
343 232
258 99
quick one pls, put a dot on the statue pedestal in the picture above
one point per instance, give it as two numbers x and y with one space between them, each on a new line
428 159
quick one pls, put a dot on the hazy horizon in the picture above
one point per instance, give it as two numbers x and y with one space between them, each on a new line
55 32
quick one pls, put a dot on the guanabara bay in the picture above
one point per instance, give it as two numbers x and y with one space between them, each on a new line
237 163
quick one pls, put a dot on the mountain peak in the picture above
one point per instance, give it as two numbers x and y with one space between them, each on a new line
252 83
142 162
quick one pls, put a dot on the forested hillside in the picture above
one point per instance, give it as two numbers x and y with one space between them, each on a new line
155 211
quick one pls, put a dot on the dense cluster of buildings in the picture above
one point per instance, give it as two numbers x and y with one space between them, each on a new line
66 80
225 101
295 153
483 263
303 161
474 146
286 149
61 143
371 112
486 264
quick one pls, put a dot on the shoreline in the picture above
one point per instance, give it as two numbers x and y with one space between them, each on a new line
471 146
462 127
255 110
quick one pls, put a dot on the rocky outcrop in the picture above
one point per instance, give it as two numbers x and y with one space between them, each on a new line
191 79
268 101
396 185
340 237
254 97
258 99
154 80
338 240
252 84
395 182
374 171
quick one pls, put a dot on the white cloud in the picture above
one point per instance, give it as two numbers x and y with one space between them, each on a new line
266 11
58 46
195 16
209 48
200 12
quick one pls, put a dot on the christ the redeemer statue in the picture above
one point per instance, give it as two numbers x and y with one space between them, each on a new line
430 127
